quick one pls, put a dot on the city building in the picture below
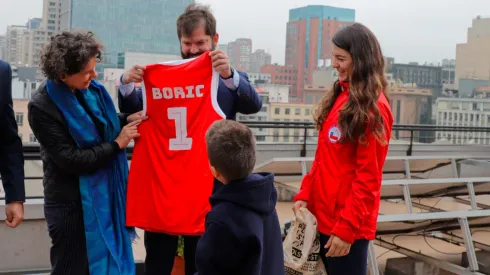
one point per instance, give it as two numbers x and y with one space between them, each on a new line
33 40
277 93
308 35
256 78
112 81
51 15
449 86
411 106
258 59
122 28
469 112
20 109
34 23
423 76
240 53
473 57
23 89
223 47
14 45
291 112
324 76
261 134
314 94
3 44
282 75
467 87
389 61
482 92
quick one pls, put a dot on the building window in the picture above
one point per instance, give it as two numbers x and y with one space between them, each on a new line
287 111
19 118
277 111
297 111
307 112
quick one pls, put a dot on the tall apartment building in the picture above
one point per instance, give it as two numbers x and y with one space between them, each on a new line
240 52
308 39
14 46
473 57
33 41
121 26
258 59
3 44
51 16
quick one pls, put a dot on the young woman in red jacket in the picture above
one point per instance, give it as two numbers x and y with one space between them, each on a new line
354 120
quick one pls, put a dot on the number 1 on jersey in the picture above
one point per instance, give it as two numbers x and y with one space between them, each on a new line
181 141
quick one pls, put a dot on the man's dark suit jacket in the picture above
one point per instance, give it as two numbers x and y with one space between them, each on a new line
11 152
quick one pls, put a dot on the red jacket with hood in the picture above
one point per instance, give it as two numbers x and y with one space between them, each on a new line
343 187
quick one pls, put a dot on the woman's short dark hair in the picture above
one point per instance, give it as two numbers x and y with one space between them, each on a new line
68 53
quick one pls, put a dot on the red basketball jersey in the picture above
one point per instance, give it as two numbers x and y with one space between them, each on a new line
170 180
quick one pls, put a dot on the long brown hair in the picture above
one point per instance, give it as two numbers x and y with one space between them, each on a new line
367 81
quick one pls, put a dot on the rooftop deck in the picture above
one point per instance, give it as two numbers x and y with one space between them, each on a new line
434 209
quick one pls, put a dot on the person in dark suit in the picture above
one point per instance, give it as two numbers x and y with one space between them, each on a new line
196 30
11 153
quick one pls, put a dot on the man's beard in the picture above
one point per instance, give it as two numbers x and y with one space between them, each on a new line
191 55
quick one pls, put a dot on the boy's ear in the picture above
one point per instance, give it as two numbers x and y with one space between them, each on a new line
214 171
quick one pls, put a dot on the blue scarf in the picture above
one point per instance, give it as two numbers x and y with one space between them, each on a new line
103 192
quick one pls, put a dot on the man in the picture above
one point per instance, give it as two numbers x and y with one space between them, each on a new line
196 29
11 154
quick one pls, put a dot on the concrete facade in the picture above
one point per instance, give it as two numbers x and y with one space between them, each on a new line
473 57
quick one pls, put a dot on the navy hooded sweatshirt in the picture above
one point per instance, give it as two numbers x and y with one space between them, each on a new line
243 234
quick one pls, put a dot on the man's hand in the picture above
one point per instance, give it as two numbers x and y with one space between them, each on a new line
137 116
221 63
337 247
135 74
14 213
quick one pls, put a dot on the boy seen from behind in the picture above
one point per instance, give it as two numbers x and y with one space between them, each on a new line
242 234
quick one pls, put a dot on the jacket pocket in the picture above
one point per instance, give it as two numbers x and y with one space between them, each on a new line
329 195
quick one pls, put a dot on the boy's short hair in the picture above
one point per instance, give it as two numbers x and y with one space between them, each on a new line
231 149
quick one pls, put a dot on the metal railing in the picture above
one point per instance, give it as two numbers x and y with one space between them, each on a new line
409 133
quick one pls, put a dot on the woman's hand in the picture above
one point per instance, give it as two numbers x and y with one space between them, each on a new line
299 204
337 247
128 133
136 116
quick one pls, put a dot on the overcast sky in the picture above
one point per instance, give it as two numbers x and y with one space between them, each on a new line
408 30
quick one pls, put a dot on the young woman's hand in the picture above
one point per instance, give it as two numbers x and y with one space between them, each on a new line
337 247
299 204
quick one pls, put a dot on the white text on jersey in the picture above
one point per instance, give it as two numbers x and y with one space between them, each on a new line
177 92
